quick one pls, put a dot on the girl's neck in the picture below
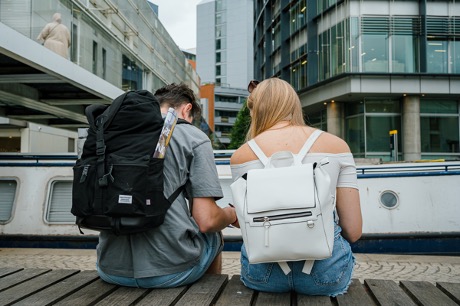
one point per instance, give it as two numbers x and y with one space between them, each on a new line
280 125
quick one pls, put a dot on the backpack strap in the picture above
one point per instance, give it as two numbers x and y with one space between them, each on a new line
258 152
300 156
308 144
101 122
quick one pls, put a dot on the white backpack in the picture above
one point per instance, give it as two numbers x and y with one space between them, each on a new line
285 210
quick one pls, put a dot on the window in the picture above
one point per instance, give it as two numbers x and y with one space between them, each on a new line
405 50
232 99
131 75
436 53
7 196
368 125
74 44
374 44
455 55
378 128
317 120
60 203
94 57
324 55
104 63
10 144
442 50
338 64
219 31
70 144
439 126
355 134
222 113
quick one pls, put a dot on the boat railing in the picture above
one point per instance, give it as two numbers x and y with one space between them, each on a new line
222 157
434 168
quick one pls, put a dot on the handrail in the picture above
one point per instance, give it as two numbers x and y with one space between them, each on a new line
222 157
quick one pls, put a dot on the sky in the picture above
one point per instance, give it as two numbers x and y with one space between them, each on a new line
179 19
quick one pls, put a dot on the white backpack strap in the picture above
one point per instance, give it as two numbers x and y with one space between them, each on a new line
285 267
307 146
258 152
307 266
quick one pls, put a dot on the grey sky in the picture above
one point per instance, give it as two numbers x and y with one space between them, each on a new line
179 19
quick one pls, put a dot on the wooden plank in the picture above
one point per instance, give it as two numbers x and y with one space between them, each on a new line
357 294
310 300
88 295
273 299
387 292
426 293
451 289
11 280
60 290
236 293
205 291
162 297
7 271
123 296
31 286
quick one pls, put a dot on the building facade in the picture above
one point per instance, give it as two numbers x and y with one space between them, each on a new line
365 69
224 58
115 46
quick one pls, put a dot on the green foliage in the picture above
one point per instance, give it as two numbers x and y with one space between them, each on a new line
240 128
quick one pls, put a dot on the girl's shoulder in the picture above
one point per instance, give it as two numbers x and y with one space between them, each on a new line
242 155
330 143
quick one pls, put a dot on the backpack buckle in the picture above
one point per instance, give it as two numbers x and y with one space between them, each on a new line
100 147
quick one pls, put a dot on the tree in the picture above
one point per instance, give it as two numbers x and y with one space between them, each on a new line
240 128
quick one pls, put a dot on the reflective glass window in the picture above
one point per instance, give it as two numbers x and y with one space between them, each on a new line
355 135
436 53
439 134
404 54
377 132
439 106
375 44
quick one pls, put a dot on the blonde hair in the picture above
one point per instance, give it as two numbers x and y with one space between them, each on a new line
272 101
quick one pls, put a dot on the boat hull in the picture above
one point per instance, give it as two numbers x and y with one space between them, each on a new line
408 208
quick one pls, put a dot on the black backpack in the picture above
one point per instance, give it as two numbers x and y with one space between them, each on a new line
117 184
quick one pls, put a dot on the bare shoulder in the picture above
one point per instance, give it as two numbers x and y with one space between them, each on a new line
242 155
330 143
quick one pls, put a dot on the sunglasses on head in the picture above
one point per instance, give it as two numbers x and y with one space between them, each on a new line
252 85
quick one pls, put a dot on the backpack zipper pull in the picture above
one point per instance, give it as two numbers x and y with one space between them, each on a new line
84 174
267 226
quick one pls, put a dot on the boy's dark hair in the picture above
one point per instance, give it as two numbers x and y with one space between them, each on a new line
177 94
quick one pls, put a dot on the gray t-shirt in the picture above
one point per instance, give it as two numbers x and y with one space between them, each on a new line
174 246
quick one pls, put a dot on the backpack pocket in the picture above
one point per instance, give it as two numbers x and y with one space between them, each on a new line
156 203
127 185
83 188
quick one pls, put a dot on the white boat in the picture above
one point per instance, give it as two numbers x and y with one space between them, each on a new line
410 208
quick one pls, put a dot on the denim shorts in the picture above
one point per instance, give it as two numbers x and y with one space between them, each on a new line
213 246
330 276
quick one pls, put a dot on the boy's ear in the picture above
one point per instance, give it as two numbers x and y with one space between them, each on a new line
184 111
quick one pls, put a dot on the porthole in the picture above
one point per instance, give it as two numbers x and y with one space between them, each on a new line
389 199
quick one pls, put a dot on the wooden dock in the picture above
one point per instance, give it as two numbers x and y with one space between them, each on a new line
75 287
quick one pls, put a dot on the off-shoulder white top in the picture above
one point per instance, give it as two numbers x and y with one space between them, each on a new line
341 167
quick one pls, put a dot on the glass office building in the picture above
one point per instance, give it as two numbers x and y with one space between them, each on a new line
364 69
116 45
224 59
